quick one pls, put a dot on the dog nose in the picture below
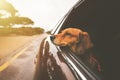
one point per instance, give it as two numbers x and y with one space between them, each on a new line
52 37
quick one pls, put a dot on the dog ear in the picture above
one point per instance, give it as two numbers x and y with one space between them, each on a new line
84 43
86 40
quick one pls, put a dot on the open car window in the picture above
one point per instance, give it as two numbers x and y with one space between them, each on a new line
82 17
101 20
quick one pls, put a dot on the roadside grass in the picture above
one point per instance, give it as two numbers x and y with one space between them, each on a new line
10 43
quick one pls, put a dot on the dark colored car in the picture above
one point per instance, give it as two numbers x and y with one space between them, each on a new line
101 19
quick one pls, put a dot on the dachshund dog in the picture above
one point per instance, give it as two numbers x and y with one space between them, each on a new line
78 40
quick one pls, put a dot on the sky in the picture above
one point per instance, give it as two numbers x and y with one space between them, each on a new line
44 13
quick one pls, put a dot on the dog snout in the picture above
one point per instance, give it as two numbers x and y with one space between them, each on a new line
52 37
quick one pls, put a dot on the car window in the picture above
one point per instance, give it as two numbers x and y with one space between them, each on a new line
83 18
101 20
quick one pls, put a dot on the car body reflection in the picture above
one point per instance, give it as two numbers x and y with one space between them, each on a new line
53 65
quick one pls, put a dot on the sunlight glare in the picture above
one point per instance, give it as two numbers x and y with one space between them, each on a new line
4 14
45 13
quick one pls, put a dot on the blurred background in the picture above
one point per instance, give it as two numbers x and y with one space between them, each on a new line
43 14
23 24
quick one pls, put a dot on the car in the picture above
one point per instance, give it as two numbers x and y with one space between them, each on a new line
100 18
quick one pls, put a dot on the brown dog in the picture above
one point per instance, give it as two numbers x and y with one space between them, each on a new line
80 43
78 40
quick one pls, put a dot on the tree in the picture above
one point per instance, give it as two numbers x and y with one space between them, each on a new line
12 19
8 22
4 5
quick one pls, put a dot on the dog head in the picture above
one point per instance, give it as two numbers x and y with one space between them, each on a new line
73 37
67 37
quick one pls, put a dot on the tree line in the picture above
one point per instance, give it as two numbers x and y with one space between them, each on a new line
27 31
7 23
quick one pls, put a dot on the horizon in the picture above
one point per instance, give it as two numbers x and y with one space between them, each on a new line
49 12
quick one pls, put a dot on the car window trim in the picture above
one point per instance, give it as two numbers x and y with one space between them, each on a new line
60 23
63 19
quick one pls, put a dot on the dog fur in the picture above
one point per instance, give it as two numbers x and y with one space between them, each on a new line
78 40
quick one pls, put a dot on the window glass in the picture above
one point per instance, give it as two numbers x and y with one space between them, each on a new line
82 18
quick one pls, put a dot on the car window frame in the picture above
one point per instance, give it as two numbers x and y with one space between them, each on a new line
88 73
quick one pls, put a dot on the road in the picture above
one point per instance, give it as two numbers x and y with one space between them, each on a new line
21 65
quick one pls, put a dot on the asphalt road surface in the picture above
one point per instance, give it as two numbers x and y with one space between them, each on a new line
21 65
